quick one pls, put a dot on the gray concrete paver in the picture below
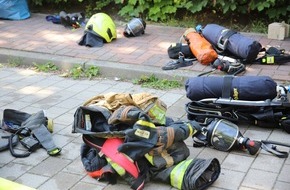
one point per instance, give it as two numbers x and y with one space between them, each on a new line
259 179
229 179
239 170
32 180
60 181
284 174
240 163
268 163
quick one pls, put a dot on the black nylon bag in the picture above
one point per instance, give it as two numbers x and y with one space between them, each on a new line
174 49
200 174
252 88
238 44
91 119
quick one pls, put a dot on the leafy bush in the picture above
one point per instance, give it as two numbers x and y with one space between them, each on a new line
161 10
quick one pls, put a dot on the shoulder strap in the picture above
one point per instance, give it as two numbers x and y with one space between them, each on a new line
223 40
270 146
227 86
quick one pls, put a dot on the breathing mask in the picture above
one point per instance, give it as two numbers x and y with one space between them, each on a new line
135 27
224 135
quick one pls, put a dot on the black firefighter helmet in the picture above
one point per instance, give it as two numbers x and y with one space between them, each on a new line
135 27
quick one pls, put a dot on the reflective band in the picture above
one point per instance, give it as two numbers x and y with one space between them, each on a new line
177 174
149 158
146 123
157 113
54 152
50 125
120 170
190 129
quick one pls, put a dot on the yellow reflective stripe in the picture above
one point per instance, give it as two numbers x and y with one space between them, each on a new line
120 170
190 129
177 174
158 114
146 123
149 158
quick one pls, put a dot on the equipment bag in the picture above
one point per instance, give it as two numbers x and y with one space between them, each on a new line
236 87
200 47
272 55
175 49
226 40
190 174
14 9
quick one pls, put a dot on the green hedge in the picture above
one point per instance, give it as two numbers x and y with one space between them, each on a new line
163 10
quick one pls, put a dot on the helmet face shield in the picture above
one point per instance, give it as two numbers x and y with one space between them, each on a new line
223 134
135 27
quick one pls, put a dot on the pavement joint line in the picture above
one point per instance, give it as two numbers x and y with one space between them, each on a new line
107 68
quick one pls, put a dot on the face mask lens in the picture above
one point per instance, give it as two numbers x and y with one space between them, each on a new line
136 26
224 135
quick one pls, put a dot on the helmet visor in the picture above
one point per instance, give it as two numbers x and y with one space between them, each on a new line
135 27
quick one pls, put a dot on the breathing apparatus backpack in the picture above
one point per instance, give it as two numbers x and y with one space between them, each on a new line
229 41
256 100
252 88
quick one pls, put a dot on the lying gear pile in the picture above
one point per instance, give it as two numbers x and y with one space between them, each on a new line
129 135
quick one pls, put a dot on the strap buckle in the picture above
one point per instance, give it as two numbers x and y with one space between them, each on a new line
224 39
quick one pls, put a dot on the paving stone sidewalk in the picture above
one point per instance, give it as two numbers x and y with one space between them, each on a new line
37 41
28 91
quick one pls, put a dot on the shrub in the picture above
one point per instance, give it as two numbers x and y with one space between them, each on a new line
161 10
